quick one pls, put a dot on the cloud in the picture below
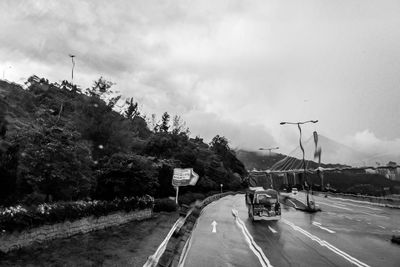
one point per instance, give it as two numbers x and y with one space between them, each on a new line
378 150
230 67
241 135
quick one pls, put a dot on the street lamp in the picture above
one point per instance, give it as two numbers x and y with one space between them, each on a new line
269 149
73 66
221 187
302 149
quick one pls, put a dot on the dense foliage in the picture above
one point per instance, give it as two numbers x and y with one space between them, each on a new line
22 217
59 144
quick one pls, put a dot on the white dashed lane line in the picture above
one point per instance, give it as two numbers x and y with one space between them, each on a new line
326 244
323 228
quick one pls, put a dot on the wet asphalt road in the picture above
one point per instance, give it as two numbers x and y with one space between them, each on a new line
345 233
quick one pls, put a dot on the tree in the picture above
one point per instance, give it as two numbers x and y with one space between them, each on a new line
219 144
102 89
164 122
108 131
132 111
55 162
179 126
126 175
3 127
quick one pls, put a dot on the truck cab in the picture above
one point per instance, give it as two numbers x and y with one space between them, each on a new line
263 204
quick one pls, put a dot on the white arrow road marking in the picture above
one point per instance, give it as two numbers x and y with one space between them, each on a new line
272 229
327 245
214 225
252 244
323 228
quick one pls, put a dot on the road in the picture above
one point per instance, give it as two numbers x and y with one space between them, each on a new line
344 233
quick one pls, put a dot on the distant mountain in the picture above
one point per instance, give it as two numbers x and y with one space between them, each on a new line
261 161
335 153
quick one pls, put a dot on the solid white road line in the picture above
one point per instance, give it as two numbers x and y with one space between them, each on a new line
153 259
327 245
185 250
323 228
293 203
272 229
252 244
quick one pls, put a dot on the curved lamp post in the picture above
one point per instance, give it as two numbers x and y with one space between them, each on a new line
302 149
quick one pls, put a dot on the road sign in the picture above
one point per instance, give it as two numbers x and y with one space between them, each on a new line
184 177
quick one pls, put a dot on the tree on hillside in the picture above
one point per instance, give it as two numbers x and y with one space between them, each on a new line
179 126
125 175
132 110
102 89
164 127
8 161
3 126
55 163
108 131
219 144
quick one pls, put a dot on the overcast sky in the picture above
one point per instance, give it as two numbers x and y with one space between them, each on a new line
234 68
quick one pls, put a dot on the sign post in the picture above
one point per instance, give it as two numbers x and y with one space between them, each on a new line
177 193
183 177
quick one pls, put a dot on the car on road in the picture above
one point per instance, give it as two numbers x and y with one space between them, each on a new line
294 191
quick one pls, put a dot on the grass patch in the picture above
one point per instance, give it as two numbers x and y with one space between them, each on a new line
129 244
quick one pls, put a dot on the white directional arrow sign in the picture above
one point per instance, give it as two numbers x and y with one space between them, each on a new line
214 225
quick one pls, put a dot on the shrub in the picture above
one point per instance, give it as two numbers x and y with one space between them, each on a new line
20 218
189 198
165 204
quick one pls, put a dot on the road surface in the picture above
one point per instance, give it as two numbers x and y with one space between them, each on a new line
345 233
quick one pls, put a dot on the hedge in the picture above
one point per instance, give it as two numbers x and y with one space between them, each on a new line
20 217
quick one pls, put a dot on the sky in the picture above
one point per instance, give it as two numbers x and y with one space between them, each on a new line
233 68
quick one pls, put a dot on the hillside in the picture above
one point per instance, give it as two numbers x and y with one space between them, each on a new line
59 143
261 161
